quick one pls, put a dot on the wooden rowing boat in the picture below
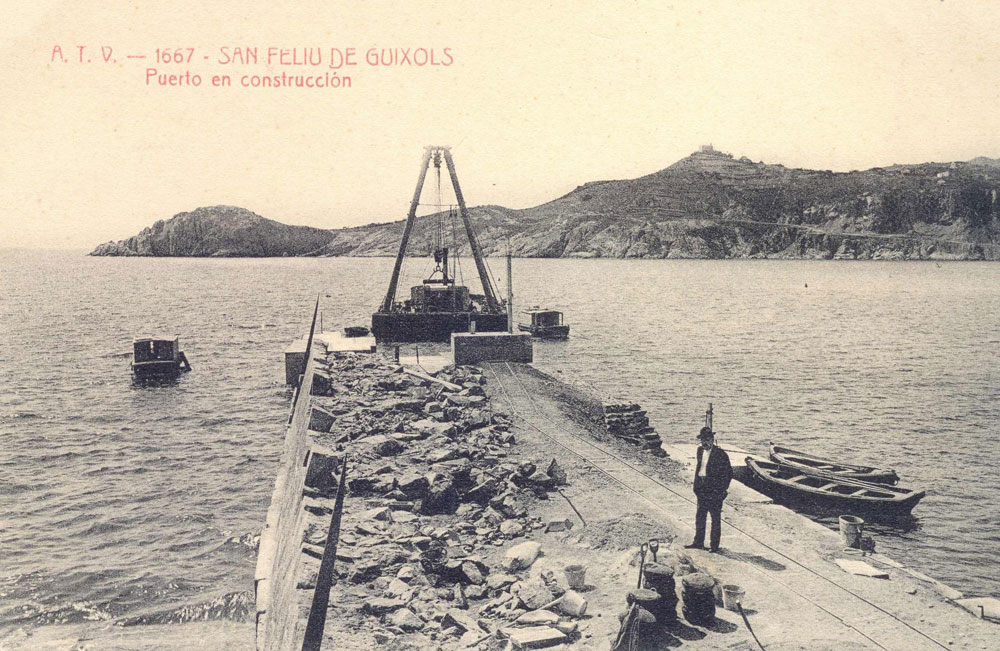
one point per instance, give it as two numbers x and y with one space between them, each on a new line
811 464
848 495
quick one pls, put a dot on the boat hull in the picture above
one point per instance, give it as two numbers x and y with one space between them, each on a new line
898 503
810 464
546 332
157 368
431 326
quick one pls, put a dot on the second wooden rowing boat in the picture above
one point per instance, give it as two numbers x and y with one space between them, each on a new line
812 464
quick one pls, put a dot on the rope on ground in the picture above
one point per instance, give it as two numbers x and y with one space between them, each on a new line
749 628
736 528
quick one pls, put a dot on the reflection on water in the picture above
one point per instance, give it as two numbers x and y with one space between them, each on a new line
155 381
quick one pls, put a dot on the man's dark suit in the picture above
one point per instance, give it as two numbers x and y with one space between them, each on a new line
711 491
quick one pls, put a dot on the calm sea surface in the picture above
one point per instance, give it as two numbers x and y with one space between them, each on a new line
122 502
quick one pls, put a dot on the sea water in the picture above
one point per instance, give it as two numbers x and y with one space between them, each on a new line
141 503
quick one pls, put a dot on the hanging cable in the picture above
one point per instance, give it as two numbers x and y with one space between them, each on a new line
439 235
492 278
454 239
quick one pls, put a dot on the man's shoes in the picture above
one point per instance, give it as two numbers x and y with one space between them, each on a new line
694 546
714 550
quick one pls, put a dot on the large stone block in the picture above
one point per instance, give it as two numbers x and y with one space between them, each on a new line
295 364
320 420
321 473
468 348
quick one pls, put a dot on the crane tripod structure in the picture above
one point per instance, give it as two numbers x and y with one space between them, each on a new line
438 306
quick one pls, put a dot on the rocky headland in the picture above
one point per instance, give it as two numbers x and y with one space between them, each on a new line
220 231
707 205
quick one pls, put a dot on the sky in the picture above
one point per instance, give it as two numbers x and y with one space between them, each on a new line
539 97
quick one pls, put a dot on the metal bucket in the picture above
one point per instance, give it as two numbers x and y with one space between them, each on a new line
575 576
851 528
732 595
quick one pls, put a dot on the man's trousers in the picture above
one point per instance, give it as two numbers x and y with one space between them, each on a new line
705 507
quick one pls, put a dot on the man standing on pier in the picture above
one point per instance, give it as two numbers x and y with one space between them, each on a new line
711 481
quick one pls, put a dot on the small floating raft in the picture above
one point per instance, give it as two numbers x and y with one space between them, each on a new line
811 464
846 494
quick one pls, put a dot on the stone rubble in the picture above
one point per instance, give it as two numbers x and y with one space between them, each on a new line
629 422
436 510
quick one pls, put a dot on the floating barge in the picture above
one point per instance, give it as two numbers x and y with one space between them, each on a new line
439 306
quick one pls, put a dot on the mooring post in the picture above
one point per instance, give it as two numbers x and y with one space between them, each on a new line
313 639
510 295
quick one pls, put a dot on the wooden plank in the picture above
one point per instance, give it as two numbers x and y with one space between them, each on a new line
826 487
861 568
882 558
533 636
423 376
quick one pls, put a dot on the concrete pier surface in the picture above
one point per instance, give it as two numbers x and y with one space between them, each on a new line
450 475
797 597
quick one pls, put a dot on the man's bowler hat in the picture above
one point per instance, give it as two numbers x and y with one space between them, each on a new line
706 433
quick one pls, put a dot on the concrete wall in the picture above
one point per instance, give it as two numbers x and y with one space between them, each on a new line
295 360
281 539
469 348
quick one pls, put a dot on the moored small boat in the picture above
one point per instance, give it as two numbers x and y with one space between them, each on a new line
158 357
545 324
848 495
811 464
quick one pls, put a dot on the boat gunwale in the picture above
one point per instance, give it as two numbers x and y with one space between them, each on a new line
789 457
899 495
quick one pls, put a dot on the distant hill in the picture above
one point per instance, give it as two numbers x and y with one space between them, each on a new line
987 162
224 231
707 205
